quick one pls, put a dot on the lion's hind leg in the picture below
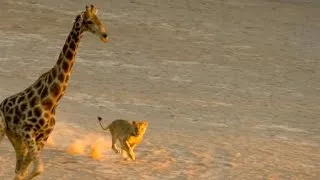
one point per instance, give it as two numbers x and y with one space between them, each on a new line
114 141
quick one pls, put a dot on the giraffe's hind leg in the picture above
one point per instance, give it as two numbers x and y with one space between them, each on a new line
20 148
33 155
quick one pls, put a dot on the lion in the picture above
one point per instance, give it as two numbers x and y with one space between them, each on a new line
128 134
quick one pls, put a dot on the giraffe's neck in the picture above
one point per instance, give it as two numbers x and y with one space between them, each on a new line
58 77
50 86
64 65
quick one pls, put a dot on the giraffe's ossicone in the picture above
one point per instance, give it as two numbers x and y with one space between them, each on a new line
28 117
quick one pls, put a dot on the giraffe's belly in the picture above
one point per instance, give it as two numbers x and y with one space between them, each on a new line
34 126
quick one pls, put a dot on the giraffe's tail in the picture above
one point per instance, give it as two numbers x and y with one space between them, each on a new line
3 125
104 128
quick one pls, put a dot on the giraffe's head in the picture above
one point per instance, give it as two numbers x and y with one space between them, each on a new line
89 21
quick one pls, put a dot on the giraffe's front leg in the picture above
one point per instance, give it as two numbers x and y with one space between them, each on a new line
33 155
37 169
38 165
21 156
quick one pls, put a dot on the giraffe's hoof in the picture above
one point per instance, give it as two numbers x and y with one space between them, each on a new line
37 172
18 177
33 175
21 175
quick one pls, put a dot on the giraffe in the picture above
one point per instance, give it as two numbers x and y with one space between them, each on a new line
28 117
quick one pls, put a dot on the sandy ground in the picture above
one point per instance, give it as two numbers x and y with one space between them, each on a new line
231 88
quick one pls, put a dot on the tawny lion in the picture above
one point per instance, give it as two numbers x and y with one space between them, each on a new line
128 134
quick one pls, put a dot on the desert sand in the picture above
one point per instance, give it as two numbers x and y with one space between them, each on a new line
231 88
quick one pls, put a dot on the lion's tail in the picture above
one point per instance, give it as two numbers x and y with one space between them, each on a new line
104 128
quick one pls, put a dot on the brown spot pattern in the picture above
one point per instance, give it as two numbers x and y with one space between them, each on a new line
37 84
10 111
50 78
41 122
65 66
40 89
20 99
72 46
30 113
23 107
33 120
5 101
60 59
30 94
44 93
37 112
54 72
28 127
65 48
16 120
69 54
47 103
55 89
10 103
46 115
61 77
37 126
39 137
34 101
75 36
69 39
8 119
